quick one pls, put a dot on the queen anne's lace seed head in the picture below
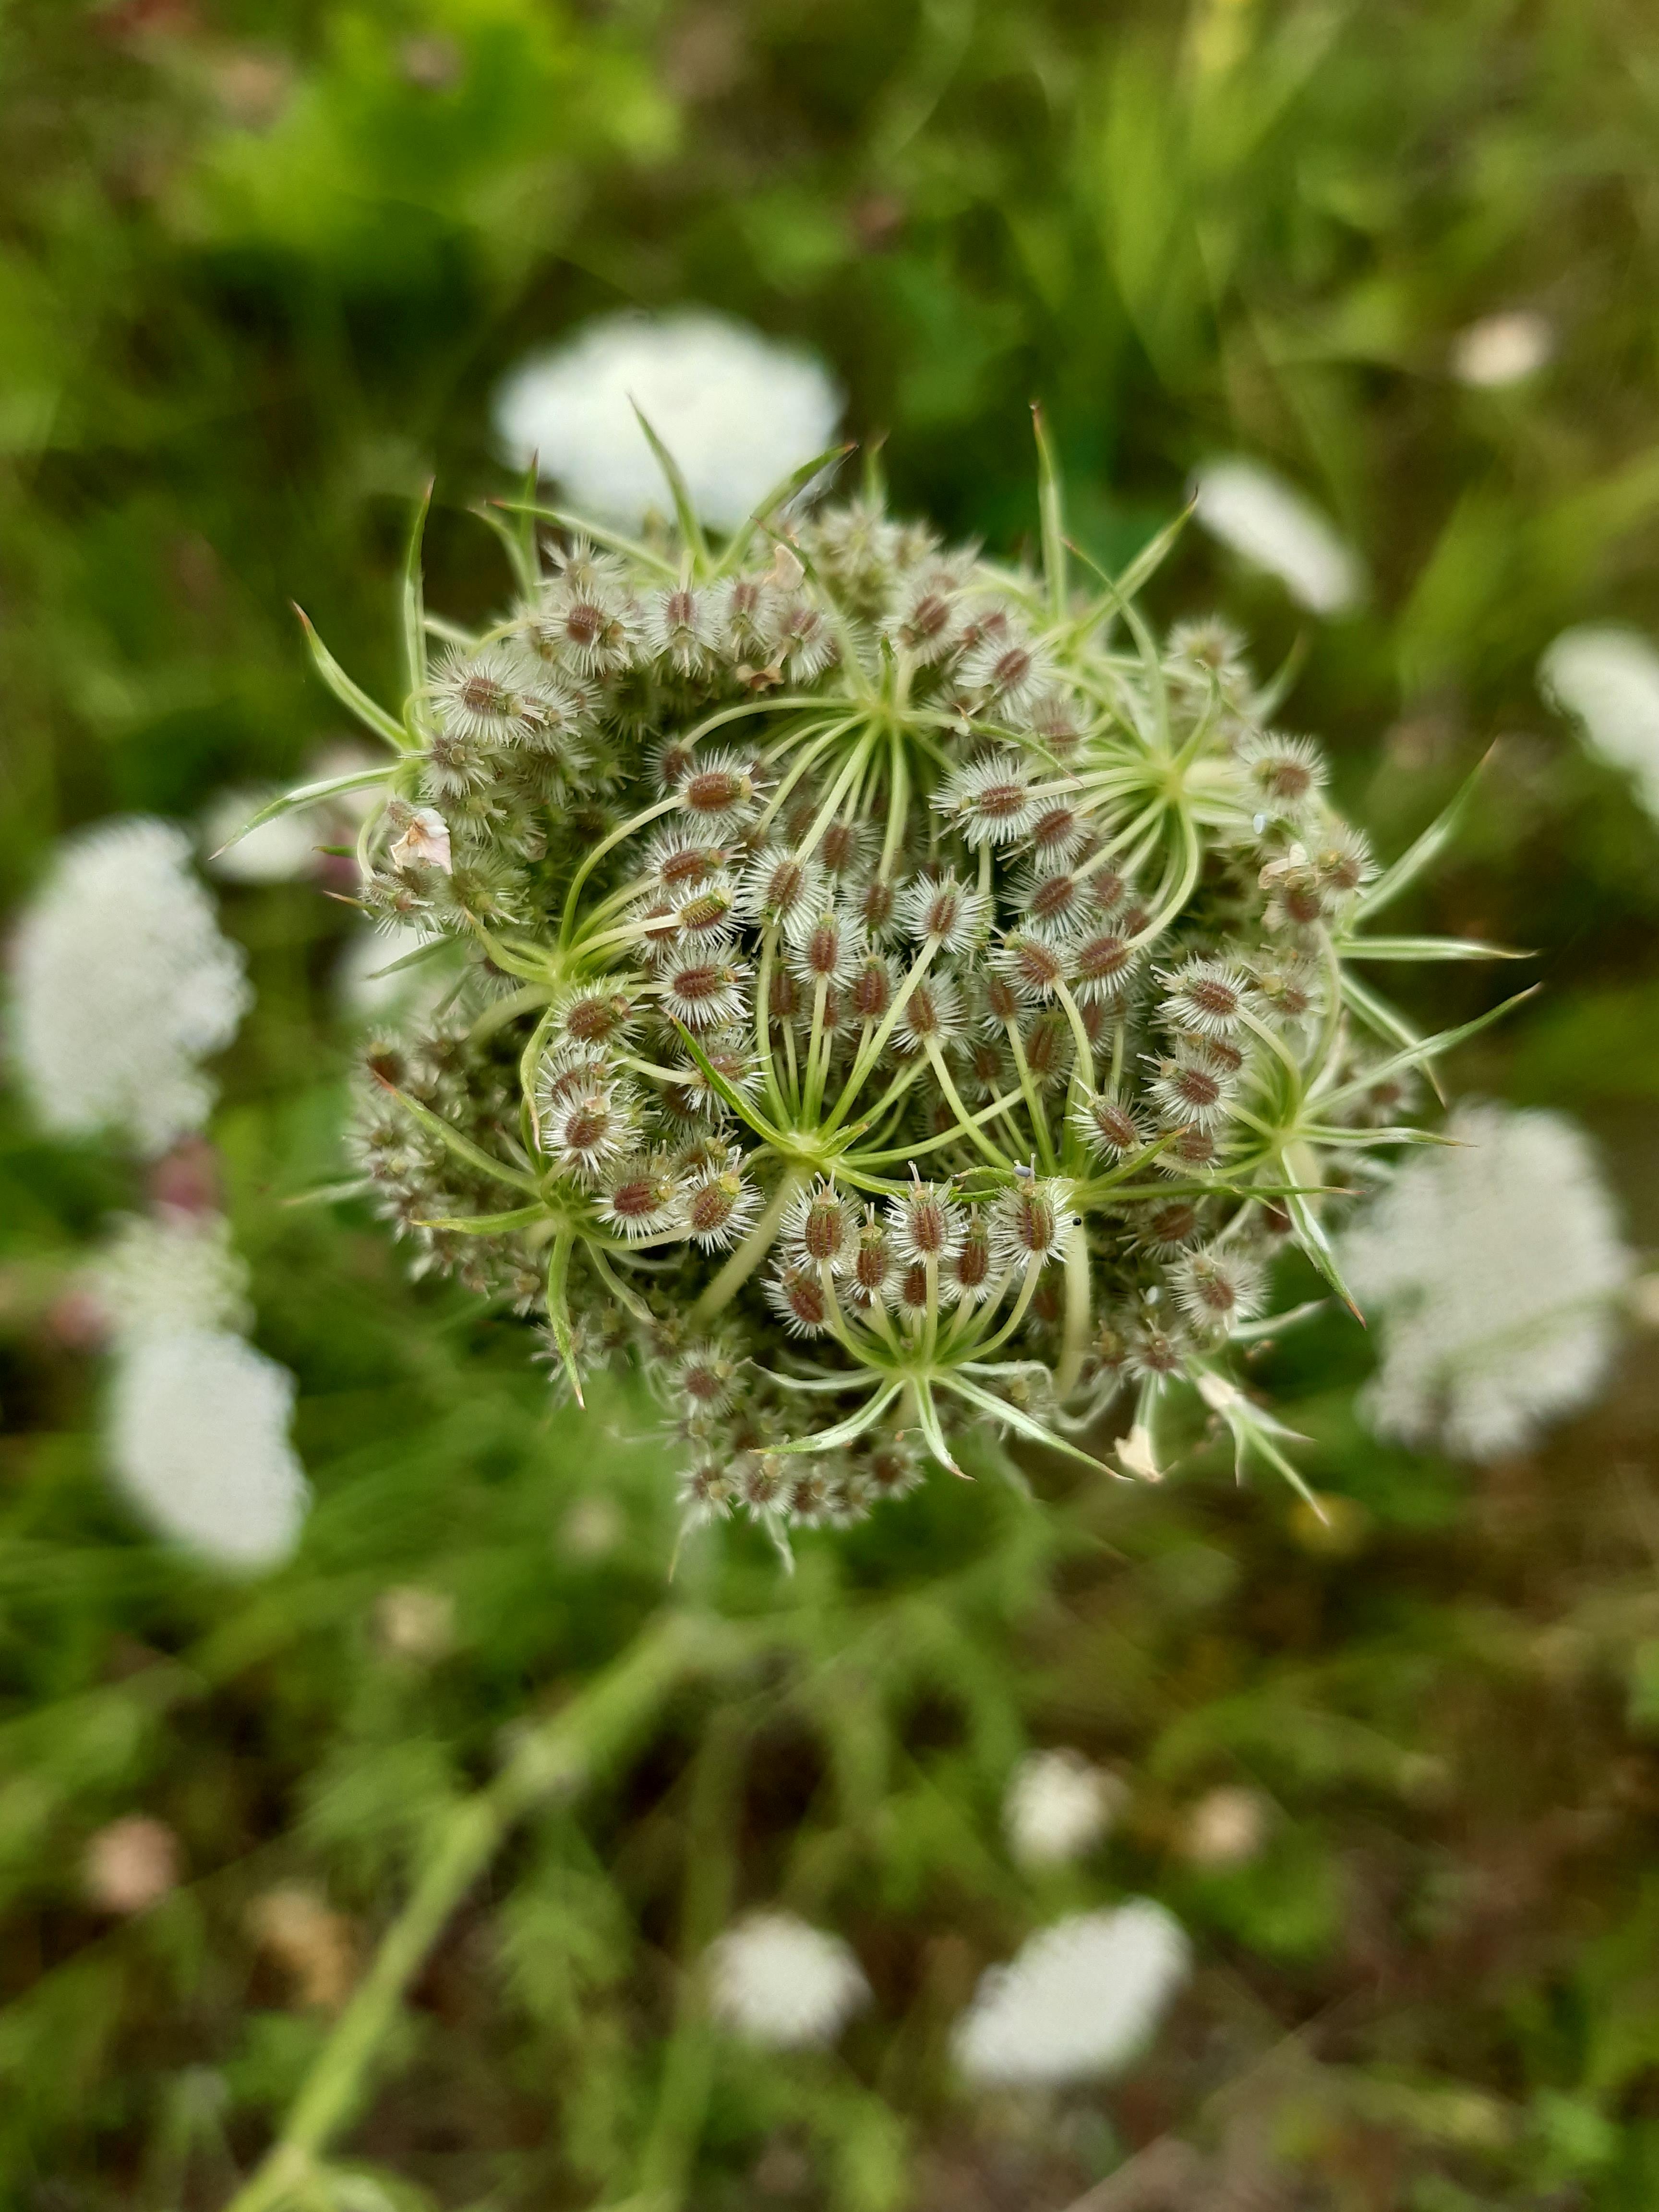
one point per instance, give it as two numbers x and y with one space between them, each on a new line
1032 966
1100 966
778 885
704 991
838 934
824 945
931 1015
1189 1088
585 1120
122 986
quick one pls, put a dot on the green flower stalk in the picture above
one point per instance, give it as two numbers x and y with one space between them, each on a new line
898 993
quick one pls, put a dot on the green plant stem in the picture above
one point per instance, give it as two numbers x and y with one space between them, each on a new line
558 1754
688 2063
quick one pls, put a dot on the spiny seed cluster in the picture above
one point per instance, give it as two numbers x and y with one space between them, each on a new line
900 993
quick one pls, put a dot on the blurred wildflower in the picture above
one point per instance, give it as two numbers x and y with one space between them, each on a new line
1058 1807
1608 680
131 1865
593 1528
197 1435
187 1178
122 985
276 852
1227 1827
168 1273
737 410
1272 526
370 983
1503 348
1080 1999
413 1623
1497 1264
314 1945
776 1981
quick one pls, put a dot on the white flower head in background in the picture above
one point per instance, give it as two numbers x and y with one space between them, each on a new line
122 984
1495 1266
737 409
1058 1807
1271 526
1225 1828
197 1436
371 985
1502 349
1080 1999
1607 679
278 852
776 1981
169 1272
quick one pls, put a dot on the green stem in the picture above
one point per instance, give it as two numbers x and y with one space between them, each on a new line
1075 1342
689 2064
591 1732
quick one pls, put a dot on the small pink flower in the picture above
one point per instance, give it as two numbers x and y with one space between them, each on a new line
424 842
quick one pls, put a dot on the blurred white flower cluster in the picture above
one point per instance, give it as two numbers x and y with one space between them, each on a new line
171 1270
776 1981
276 852
1059 1807
123 985
1497 1265
1080 1999
737 409
1273 527
1503 349
198 1438
198 1427
1607 679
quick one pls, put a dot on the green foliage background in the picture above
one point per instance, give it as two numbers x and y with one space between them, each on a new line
261 266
